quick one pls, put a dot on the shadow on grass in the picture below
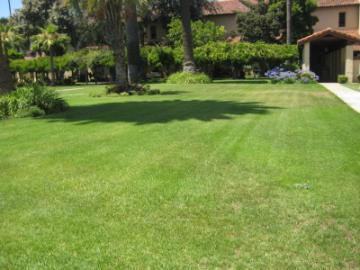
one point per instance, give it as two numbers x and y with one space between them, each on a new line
170 93
150 112
254 81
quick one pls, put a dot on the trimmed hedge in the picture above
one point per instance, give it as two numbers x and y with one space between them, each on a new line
166 60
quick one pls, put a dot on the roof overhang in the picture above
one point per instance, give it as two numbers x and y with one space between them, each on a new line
350 37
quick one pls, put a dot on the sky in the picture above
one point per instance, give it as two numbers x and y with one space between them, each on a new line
4 7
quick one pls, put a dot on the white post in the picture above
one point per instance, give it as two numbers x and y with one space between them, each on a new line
349 62
306 57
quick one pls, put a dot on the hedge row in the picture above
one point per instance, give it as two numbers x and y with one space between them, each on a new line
167 59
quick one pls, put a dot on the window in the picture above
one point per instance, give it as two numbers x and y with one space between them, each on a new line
153 34
342 19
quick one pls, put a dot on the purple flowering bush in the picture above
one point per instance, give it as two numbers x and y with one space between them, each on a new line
278 74
307 76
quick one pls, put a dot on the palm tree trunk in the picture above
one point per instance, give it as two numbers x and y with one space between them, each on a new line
189 63
52 67
9 7
288 21
133 42
6 82
116 38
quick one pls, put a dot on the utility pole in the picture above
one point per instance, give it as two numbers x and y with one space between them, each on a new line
9 7
288 21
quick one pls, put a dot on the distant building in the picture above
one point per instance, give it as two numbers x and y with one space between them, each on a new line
221 12
334 47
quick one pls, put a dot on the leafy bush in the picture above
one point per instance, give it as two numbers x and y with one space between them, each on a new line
203 32
31 100
342 79
188 78
307 76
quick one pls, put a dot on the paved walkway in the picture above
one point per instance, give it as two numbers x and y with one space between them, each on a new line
350 97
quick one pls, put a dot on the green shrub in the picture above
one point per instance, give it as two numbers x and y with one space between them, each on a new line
342 78
202 31
31 100
188 78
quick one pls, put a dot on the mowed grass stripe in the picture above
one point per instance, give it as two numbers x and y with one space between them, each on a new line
203 176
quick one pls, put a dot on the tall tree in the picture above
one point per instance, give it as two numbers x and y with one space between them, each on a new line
33 15
189 62
47 41
6 82
110 12
267 21
133 42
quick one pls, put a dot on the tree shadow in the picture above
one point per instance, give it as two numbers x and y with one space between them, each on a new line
170 93
151 112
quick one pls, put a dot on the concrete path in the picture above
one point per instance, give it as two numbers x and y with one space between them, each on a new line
350 97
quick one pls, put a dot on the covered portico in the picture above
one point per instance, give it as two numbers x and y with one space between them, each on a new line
329 53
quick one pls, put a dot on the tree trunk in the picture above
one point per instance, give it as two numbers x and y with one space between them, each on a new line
189 63
133 42
6 81
52 67
288 21
116 38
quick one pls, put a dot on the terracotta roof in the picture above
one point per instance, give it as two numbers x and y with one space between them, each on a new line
224 7
334 3
350 35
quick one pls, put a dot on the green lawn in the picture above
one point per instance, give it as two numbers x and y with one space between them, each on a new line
227 175
354 86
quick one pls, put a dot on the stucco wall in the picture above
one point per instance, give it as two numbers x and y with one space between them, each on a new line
228 21
329 17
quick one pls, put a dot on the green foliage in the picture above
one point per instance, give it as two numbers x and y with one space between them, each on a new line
49 40
162 59
217 53
342 79
188 78
31 100
167 60
203 32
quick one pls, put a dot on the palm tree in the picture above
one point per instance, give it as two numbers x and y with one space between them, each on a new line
110 12
11 39
6 82
47 41
189 63
133 42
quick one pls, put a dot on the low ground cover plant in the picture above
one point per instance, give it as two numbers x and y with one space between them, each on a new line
342 79
282 75
31 100
188 78
134 89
